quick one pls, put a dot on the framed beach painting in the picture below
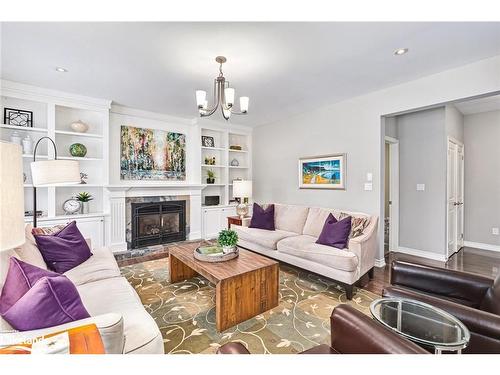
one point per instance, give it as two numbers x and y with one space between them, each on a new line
322 172
152 154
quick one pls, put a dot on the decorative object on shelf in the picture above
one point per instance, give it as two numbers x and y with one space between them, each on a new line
213 254
83 177
11 198
235 147
84 198
72 206
78 150
235 163
16 138
207 141
152 154
242 189
210 177
223 97
79 126
322 172
212 200
18 117
210 160
24 177
52 172
39 213
27 144
228 239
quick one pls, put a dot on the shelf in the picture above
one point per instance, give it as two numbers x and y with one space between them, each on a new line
213 166
62 217
241 151
22 128
238 167
30 156
77 158
79 185
208 185
213 148
76 134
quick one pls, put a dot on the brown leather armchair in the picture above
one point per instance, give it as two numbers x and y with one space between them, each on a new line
473 299
352 333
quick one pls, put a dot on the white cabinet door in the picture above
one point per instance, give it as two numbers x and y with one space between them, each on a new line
211 223
226 212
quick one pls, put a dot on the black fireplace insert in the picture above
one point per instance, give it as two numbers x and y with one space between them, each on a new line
157 223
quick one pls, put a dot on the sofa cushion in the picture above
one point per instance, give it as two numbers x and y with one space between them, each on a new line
317 217
262 218
305 247
262 237
335 233
29 252
101 265
290 218
115 295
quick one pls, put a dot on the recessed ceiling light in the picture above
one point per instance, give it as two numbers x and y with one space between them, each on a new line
400 51
61 70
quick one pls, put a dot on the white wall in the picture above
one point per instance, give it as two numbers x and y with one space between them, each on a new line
454 123
354 127
482 177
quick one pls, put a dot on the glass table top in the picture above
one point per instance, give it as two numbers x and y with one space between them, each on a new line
421 322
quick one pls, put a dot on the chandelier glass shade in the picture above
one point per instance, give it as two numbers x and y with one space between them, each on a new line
223 97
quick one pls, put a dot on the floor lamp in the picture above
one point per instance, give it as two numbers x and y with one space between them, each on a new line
52 173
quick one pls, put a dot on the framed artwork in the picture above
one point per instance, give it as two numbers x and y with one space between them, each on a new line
152 154
18 117
207 141
322 172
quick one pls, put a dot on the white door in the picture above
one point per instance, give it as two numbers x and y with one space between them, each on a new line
455 196
211 222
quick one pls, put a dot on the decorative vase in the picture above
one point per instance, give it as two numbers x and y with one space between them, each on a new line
228 249
242 210
210 180
235 163
84 208
16 138
78 150
79 127
27 145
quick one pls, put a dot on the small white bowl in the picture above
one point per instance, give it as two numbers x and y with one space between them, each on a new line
79 127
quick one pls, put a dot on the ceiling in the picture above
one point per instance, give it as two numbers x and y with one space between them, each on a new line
285 68
486 104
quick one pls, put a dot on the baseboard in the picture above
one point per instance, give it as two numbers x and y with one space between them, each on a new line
482 246
421 253
380 263
194 236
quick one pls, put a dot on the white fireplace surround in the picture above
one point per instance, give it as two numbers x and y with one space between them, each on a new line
116 224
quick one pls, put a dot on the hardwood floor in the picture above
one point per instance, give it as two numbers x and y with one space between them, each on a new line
482 262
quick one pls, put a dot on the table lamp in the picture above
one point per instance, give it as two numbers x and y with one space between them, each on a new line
242 189
52 173
11 196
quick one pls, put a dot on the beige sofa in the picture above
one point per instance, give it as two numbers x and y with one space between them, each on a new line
294 242
112 303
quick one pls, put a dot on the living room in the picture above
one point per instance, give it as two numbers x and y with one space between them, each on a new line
198 187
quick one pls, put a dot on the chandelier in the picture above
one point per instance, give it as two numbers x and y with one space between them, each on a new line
223 97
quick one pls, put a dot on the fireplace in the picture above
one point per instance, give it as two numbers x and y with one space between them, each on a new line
158 223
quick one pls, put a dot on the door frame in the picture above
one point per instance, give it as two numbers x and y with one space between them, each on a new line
458 143
393 192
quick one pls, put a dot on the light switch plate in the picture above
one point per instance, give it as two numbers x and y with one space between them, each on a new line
420 187
495 231
368 186
369 177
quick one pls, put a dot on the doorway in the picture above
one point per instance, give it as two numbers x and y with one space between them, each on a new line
391 210
455 196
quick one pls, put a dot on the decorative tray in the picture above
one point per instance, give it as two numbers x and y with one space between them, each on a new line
213 254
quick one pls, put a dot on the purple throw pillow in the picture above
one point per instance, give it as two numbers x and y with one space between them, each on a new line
50 302
20 278
335 233
262 219
65 249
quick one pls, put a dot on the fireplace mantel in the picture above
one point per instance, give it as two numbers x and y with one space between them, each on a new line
117 194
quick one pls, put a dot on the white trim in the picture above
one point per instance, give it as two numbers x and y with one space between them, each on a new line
391 139
394 192
482 246
421 253
128 111
380 263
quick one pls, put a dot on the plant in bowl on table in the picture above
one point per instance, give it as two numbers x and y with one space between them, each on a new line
84 198
228 240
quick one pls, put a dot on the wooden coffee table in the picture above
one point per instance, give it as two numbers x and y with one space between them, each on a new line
244 287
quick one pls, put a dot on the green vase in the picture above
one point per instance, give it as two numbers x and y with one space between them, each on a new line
78 150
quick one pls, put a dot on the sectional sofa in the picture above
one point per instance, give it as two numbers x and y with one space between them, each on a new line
294 242
114 306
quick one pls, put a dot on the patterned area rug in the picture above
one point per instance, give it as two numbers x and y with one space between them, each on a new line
185 311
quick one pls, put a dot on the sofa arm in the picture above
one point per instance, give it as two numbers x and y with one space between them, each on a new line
245 222
365 247
110 328
233 348
440 281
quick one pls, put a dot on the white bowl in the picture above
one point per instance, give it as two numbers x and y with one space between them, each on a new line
79 127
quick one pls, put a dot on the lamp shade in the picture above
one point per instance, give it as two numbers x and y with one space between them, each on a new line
11 196
242 189
55 172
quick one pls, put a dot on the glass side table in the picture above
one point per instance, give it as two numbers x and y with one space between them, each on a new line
421 323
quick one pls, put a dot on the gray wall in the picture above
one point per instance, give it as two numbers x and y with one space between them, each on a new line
454 122
422 160
482 177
